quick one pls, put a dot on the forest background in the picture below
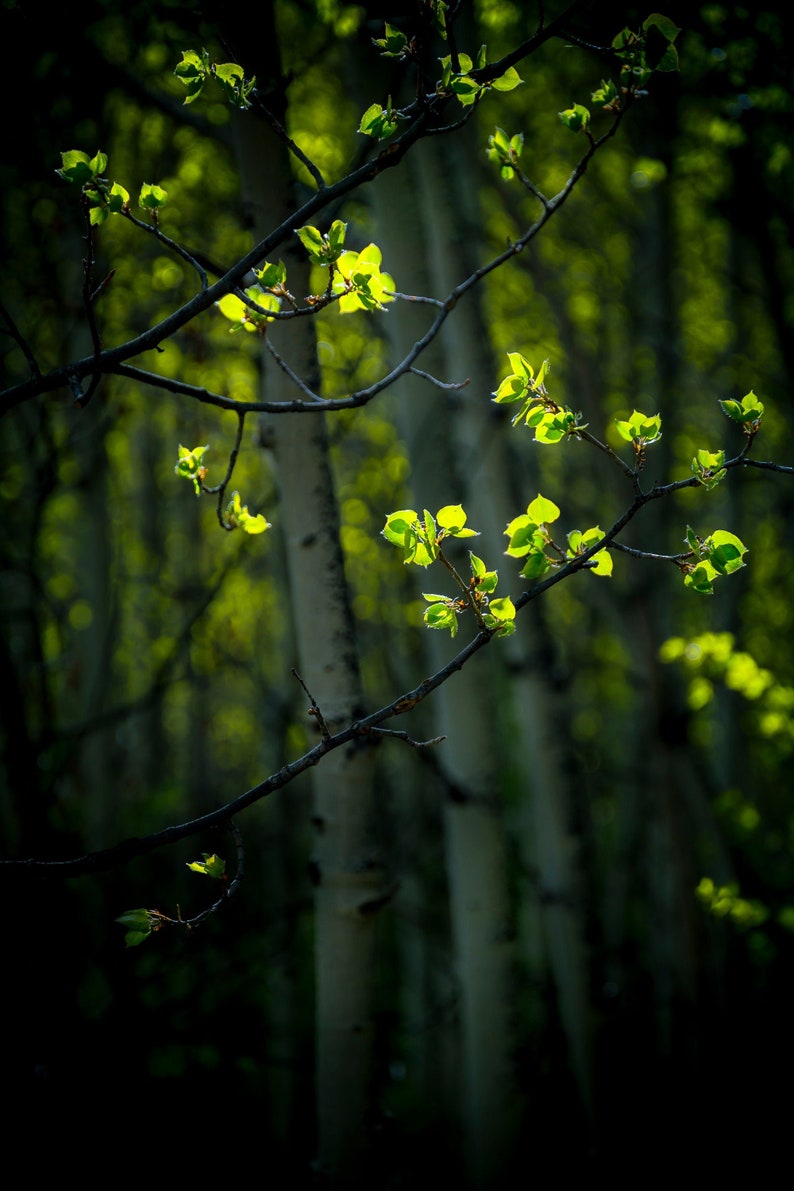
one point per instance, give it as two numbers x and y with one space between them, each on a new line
580 918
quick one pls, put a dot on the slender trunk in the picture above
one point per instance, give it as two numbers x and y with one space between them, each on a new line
474 839
548 841
346 872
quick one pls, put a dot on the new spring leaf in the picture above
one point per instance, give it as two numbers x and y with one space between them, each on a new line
190 465
420 537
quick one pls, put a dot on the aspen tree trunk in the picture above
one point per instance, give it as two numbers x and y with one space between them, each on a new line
346 872
474 839
547 841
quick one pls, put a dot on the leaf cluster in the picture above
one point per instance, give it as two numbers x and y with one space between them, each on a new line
196 70
638 54
141 924
103 197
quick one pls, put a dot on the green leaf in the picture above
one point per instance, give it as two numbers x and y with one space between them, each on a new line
193 71
358 278
398 525
525 536
504 151
140 926
460 83
722 553
211 866
701 579
393 44
726 552
136 919
537 564
708 469
118 198
660 33
192 65
523 385
452 518
323 250
607 94
576 118
76 167
378 122
602 564
551 428
190 465
747 413
419 538
507 81
512 388
502 609
430 532
238 517
640 428
271 276
501 615
529 536
336 237
313 241
237 89
504 628
542 511
404 529
485 580
133 937
441 616
246 318
152 197
423 553
229 74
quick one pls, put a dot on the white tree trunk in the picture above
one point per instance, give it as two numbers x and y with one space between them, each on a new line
474 839
542 819
346 872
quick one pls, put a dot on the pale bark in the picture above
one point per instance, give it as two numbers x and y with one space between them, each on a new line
346 870
474 838
543 821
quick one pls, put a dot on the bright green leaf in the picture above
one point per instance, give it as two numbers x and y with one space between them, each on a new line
394 43
210 866
502 609
441 616
152 197
576 118
537 564
238 517
543 511
190 465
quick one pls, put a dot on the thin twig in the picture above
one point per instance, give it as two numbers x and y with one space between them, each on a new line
153 229
296 380
13 331
314 710
440 384
398 734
